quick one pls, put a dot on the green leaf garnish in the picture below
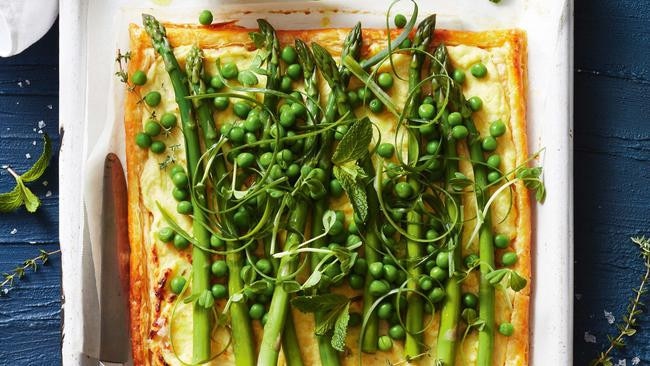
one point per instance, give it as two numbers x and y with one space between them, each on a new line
336 308
21 194
354 144
352 178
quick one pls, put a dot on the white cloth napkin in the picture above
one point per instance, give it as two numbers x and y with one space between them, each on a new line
23 22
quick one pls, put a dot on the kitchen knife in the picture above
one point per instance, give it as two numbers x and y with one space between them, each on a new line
114 341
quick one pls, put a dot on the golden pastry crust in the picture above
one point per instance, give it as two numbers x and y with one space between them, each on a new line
142 302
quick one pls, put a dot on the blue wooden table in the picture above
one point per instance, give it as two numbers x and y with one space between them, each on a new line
612 176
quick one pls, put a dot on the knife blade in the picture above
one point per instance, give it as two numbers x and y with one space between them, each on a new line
114 338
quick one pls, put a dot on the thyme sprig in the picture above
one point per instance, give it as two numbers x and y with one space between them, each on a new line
19 272
627 328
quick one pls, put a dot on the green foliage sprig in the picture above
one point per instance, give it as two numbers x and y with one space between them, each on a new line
628 326
20 271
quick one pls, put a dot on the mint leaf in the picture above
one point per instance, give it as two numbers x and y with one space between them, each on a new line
31 201
352 179
37 170
10 201
317 303
354 144
341 328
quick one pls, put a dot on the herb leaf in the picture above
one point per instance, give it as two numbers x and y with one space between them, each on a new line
10 201
316 303
354 144
341 328
37 170
29 198
352 179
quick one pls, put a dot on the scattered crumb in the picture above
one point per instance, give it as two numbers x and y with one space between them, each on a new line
17 103
34 142
609 316
590 338
49 106
45 183
636 361
14 231
41 124
28 156
578 297
48 193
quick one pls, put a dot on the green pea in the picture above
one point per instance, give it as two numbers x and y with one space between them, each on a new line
341 130
219 291
428 129
139 77
375 106
294 71
143 140
397 332
442 260
158 147
433 147
299 109
501 241
436 295
355 319
276 172
385 80
177 284
376 269
153 98
427 100
180 180
364 94
245 159
400 21
493 176
293 170
264 266
390 273
205 17
352 239
336 228
216 242
459 132
179 194
438 274
472 260
489 143
360 266
455 119
493 161
425 283
289 55
168 120
458 76
229 70
221 103
468 315
287 118
253 123
406 43
237 134
426 111
356 281
478 70
285 84
256 311
353 98
384 343
403 190
475 103
336 189
386 150
385 310
507 329
319 174
242 218
266 159
470 300
216 83
378 288
180 242
509 259
241 109
176 169
166 234
247 78
219 268
184 207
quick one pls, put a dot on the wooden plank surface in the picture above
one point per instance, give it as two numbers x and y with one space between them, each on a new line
612 176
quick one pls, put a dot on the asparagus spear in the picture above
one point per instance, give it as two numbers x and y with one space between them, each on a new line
270 42
450 312
242 333
414 314
200 259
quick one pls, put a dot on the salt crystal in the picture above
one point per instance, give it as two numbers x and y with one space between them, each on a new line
5 291
28 156
28 82
20 84
45 183
32 242
590 338
5 166
34 129
610 318
49 106
41 124
40 131
636 361
48 193
34 142
622 362
14 231
578 297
